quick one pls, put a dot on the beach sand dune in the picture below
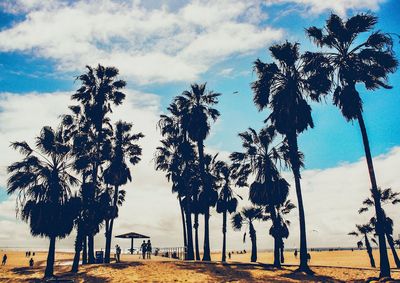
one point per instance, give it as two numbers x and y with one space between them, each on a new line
158 269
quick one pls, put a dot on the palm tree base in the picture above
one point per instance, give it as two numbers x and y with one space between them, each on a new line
305 269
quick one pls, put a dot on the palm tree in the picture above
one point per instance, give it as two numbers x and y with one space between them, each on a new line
247 216
100 88
358 61
283 86
43 183
198 108
268 189
364 231
176 156
387 196
280 228
124 150
227 202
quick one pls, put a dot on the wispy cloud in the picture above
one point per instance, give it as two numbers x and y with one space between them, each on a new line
148 45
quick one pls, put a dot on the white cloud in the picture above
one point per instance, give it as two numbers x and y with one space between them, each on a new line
148 45
338 6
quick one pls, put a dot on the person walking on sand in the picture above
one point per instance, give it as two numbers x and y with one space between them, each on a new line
117 253
229 255
148 249
308 257
295 253
31 262
4 260
143 247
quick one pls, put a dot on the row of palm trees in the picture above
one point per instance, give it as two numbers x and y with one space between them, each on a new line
285 87
78 168
73 174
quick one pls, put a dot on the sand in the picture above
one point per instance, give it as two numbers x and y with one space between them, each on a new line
325 264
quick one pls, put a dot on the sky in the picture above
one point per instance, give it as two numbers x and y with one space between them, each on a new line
160 48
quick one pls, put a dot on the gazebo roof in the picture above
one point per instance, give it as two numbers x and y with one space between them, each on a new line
132 235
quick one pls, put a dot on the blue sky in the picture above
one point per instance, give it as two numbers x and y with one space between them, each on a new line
163 46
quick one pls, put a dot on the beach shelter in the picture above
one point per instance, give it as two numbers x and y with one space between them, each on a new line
132 235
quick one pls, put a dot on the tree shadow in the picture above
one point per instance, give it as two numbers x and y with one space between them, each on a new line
25 270
303 277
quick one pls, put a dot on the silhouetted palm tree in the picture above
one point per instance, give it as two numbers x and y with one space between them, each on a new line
355 61
268 189
364 231
227 202
280 228
198 107
177 158
99 90
387 196
247 216
124 151
43 183
283 87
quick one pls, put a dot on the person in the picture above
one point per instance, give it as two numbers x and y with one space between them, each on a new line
143 247
148 249
4 260
295 253
308 257
117 253
33 253
229 255
31 262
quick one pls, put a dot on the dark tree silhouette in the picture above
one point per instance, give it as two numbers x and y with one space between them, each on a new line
364 231
43 183
247 216
283 87
355 61
176 156
227 202
124 150
99 90
268 189
198 108
387 196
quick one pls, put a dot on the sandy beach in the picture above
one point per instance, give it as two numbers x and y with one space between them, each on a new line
329 266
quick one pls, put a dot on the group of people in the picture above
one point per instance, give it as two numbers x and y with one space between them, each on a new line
29 253
146 249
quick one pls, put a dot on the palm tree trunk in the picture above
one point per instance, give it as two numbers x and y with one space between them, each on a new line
253 239
293 151
282 249
380 218
277 246
183 222
110 227
78 249
91 258
84 251
224 216
49 272
206 249
369 251
392 247
189 250
196 235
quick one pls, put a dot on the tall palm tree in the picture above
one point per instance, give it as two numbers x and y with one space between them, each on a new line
280 228
283 86
368 61
260 159
100 88
247 216
387 196
43 183
198 107
364 231
227 202
124 151
176 156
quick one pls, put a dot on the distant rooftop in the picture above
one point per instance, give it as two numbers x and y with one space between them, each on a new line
132 235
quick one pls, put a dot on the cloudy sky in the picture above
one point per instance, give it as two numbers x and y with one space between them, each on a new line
160 48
